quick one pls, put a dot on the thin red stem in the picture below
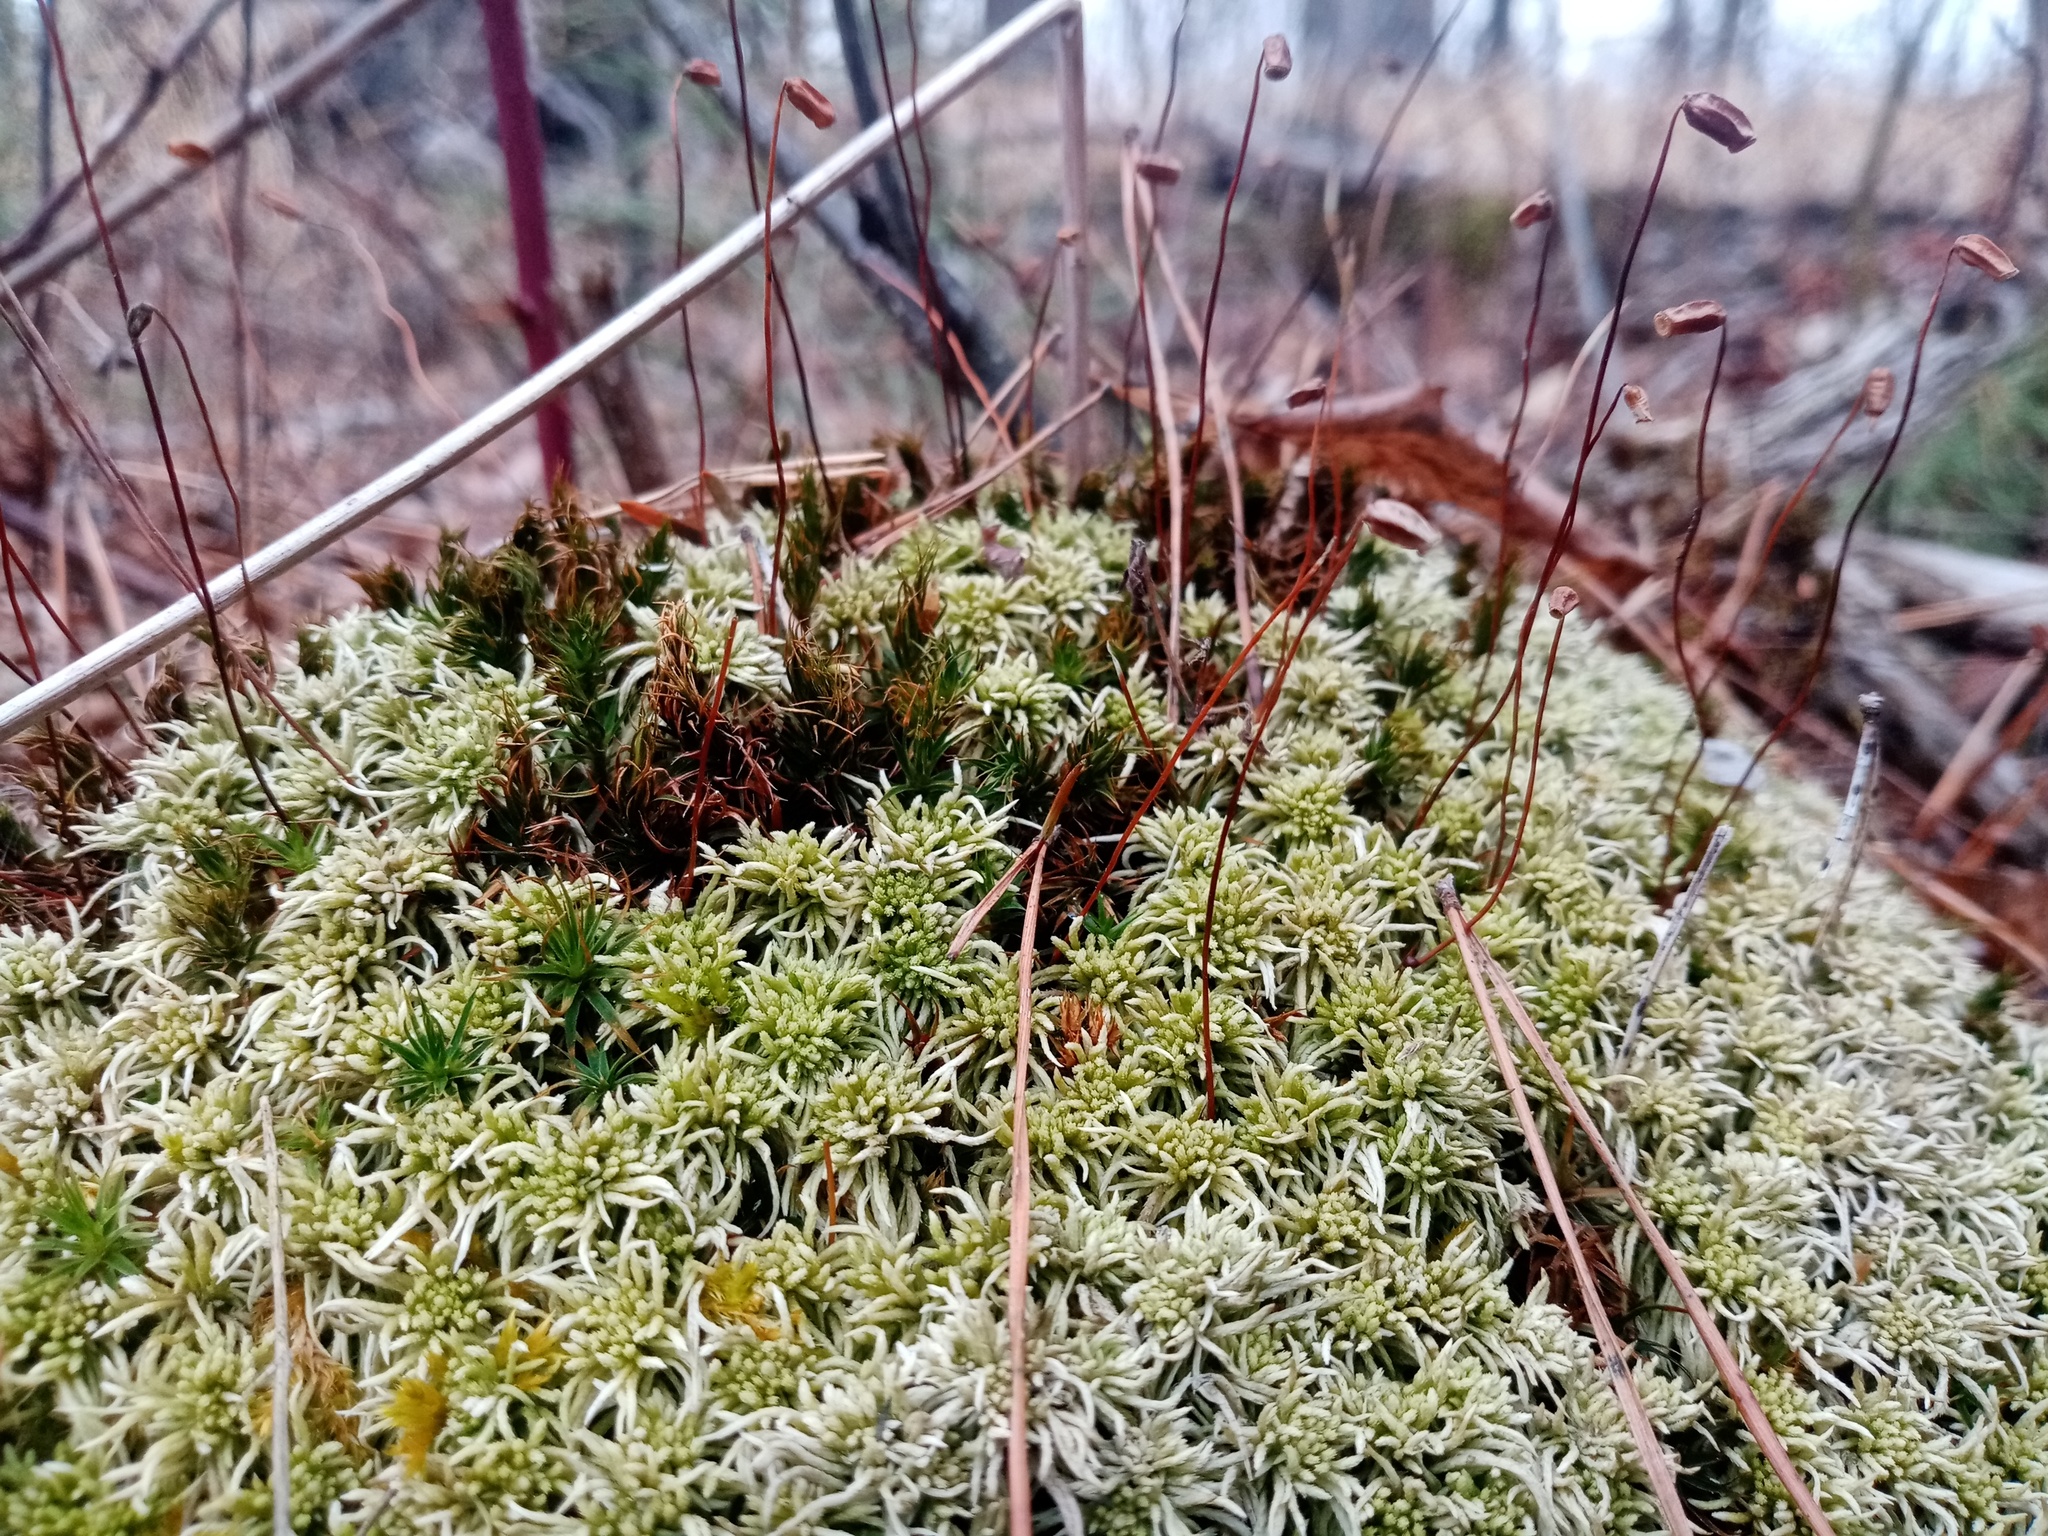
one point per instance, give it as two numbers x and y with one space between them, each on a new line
1244 145
704 759
1827 622
1528 797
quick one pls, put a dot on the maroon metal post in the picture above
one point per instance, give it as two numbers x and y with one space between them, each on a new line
526 195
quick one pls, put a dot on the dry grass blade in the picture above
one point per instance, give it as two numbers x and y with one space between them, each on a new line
983 907
281 1343
1938 891
1732 1379
1649 1450
1019 1448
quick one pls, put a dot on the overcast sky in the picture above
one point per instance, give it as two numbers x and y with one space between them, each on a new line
1805 38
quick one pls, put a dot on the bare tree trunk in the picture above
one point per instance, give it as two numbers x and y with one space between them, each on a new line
1863 209
46 165
1575 213
526 196
621 395
1498 42
1728 36
1674 38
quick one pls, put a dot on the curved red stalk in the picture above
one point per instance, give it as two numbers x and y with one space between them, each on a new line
1827 622
8 561
1244 145
1695 690
1499 585
1594 427
216 640
1513 686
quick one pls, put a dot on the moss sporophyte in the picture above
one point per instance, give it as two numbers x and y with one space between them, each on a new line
636 1188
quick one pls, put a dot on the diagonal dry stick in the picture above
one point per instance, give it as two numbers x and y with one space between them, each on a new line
1614 1360
1981 746
1019 1460
1732 1379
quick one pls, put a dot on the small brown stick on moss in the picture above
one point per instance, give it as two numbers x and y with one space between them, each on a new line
1018 1462
831 1193
1032 850
1674 929
1729 1368
1614 1359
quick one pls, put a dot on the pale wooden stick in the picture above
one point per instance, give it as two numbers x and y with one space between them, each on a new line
1674 928
1853 828
1649 1450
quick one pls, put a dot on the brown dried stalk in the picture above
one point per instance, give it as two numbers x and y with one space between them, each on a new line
1730 1369
1980 747
281 1344
1614 1359
1019 1294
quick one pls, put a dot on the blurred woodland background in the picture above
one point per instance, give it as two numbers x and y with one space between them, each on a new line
345 283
